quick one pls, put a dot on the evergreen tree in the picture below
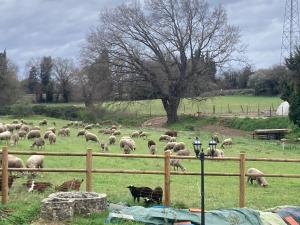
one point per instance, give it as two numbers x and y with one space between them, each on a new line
45 75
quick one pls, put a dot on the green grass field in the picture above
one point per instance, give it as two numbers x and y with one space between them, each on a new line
222 104
220 191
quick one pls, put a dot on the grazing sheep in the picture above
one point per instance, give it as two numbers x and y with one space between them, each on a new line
178 146
177 163
14 139
14 162
70 185
216 138
22 133
52 138
35 161
53 129
169 146
2 128
127 141
67 132
15 121
152 149
104 147
173 139
144 134
114 127
38 142
43 122
81 133
91 137
127 149
46 135
34 134
135 134
227 141
151 142
35 128
25 128
10 127
164 138
216 153
260 179
116 132
112 140
62 132
171 133
6 135
138 192
88 127
184 152
108 131
157 194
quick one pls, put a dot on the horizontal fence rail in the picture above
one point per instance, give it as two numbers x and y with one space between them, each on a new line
166 172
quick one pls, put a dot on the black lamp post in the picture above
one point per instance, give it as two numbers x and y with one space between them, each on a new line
197 148
212 146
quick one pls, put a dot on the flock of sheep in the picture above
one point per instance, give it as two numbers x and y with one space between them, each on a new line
17 130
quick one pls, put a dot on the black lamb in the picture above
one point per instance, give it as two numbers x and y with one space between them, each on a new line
137 192
157 194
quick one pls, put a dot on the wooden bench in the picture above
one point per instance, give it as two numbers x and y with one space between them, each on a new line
270 133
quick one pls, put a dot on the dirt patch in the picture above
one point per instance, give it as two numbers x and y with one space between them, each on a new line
227 132
156 122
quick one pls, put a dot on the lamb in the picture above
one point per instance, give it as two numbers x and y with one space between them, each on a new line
81 133
70 185
52 138
170 146
112 139
177 163
104 147
227 141
184 152
47 134
260 179
91 137
151 142
38 142
216 153
152 149
6 135
67 132
22 133
34 134
164 138
157 194
171 133
14 139
178 146
138 192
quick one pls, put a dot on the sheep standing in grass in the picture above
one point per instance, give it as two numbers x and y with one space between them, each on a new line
43 122
164 138
171 133
116 132
169 146
112 139
152 149
177 163
91 137
104 147
67 132
151 142
52 138
25 128
52 129
138 192
172 139
135 134
22 133
127 141
81 133
216 153
260 179
35 161
5 136
38 142
14 139
144 134
227 142
184 152
46 135
14 162
178 146
34 134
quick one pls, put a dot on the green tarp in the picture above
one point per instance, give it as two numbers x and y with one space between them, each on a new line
168 216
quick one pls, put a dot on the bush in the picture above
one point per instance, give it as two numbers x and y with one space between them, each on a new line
21 109
62 112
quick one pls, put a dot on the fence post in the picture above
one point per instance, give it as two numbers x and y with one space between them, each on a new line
242 179
4 184
89 167
214 109
167 200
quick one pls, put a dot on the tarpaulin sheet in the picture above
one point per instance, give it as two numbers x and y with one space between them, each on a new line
168 216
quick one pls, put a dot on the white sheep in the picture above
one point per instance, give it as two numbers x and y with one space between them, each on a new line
152 149
216 153
52 138
112 139
164 137
184 152
179 146
227 142
177 163
170 146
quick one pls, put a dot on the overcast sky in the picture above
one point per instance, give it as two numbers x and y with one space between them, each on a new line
36 28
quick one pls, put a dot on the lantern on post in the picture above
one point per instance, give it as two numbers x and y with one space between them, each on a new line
212 146
197 146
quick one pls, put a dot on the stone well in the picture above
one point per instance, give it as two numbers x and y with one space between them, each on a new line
65 205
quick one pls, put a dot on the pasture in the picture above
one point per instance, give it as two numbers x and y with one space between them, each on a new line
220 192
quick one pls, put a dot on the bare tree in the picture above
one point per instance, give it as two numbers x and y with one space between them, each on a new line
63 70
169 43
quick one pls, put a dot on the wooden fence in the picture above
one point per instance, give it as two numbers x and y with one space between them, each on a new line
166 173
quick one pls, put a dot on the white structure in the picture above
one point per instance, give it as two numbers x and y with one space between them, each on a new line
283 109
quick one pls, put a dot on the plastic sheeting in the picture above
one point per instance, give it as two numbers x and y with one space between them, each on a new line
283 109
168 216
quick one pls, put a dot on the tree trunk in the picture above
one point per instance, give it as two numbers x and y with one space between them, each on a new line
88 102
171 105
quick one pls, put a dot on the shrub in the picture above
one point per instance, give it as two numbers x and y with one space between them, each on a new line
21 109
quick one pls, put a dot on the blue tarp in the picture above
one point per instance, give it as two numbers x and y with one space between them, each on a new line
168 216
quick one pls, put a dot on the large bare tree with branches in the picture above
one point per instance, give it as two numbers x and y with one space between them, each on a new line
170 44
